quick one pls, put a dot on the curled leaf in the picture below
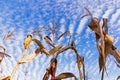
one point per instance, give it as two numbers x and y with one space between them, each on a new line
38 42
2 54
88 14
55 49
64 76
61 35
3 48
49 41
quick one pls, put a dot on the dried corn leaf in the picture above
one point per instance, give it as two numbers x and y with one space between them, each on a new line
38 42
2 54
79 63
64 76
49 41
103 46
30 57
61 35
118 78
36 52
101 65
85 15
3 48
105 26
88 14
54 50
66 48
116 54
88 11
102 77
5 78
46 76
51 70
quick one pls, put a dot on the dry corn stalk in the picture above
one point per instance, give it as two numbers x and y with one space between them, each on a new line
100 34
37 51
51 70
64 76
80 59
17 65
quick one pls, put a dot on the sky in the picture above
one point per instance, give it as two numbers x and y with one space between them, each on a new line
25 15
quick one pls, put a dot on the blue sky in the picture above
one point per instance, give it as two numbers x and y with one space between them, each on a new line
23 15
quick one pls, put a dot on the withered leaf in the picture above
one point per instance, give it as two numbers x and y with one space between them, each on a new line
105 25
49 41
64 76
55 49
2 54
61 35
5 78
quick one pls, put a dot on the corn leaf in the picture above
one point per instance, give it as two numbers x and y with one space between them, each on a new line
64 76
30 57
5 78
3 48
38 42
2 54
61 35
49 41
54 50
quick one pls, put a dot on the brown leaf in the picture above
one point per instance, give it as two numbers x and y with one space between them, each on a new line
46 76
61 35
55 49
49 41
30 57
38 42
5 78
3 48
88 14
64 76
2 54
116 55
105 25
